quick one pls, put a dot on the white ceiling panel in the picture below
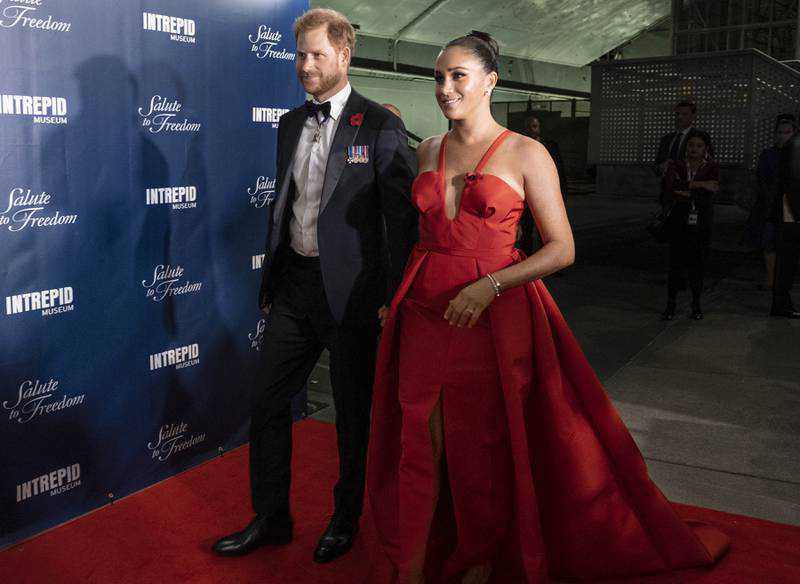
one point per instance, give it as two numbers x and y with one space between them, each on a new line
569 32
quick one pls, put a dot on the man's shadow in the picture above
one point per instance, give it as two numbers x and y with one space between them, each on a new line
108 162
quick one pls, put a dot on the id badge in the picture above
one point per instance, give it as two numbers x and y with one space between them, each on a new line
692 218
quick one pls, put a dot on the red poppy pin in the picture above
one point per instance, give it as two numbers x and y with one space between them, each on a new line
356 119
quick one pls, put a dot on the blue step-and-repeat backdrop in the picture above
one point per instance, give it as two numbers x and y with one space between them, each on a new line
137 156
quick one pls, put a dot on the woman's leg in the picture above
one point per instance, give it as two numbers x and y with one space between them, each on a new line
674 278
413 573
769 261
695 257
768 236
696 266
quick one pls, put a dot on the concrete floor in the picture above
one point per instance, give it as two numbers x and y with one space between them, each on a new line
713 405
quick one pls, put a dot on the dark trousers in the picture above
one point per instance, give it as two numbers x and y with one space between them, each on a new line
299 327
787 251
686 257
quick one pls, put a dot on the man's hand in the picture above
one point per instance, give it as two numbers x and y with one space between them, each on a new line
682 194
266 309
788 216
383 314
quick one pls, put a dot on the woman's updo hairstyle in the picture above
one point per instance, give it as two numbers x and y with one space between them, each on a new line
483 46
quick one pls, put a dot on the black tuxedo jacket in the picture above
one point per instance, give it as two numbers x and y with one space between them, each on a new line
366 225
663 150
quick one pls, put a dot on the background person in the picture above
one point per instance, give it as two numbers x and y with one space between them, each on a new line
672 146
761 228
529 239
689 186
787 215
393 108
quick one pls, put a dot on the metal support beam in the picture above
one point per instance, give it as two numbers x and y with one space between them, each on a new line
419 18
797 35
376 65
414 21
563 80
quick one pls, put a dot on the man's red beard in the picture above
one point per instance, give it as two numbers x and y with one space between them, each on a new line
324 84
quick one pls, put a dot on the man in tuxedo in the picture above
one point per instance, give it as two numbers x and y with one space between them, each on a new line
673 145
787 216
340 231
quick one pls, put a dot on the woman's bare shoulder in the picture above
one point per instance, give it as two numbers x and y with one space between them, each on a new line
428 151
524 146
527 155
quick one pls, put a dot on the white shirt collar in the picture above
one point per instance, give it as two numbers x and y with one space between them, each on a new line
338 101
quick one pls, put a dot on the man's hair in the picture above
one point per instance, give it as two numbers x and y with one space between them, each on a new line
786 119
532 116
341 33
393 108
686 103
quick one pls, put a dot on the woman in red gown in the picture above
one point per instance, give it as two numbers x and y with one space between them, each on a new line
495 454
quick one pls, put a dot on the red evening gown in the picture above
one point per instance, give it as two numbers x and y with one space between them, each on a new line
540 475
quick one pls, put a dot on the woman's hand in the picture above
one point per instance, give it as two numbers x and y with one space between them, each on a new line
681 194
709 185
467 307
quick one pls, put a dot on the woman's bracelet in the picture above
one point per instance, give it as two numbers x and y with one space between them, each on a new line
495 284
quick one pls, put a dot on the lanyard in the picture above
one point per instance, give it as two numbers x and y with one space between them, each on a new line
692 173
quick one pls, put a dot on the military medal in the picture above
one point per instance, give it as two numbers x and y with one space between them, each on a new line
357 154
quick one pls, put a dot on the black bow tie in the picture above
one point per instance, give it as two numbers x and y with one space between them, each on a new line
312 109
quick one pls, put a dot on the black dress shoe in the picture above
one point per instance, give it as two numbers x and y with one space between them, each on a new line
697 313
336 541
785 312
669 311
260 531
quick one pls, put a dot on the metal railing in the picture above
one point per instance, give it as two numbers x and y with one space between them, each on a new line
738 94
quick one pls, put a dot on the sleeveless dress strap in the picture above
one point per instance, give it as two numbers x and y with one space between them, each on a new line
495 145
440 167
442 152
440 163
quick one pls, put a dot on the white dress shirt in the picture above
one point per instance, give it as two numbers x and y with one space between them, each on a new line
310 162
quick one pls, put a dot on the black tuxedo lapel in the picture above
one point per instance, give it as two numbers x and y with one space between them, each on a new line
294 128
345 136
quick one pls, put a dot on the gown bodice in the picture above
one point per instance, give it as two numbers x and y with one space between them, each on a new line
488 214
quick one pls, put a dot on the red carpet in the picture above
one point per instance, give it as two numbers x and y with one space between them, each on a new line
163 535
